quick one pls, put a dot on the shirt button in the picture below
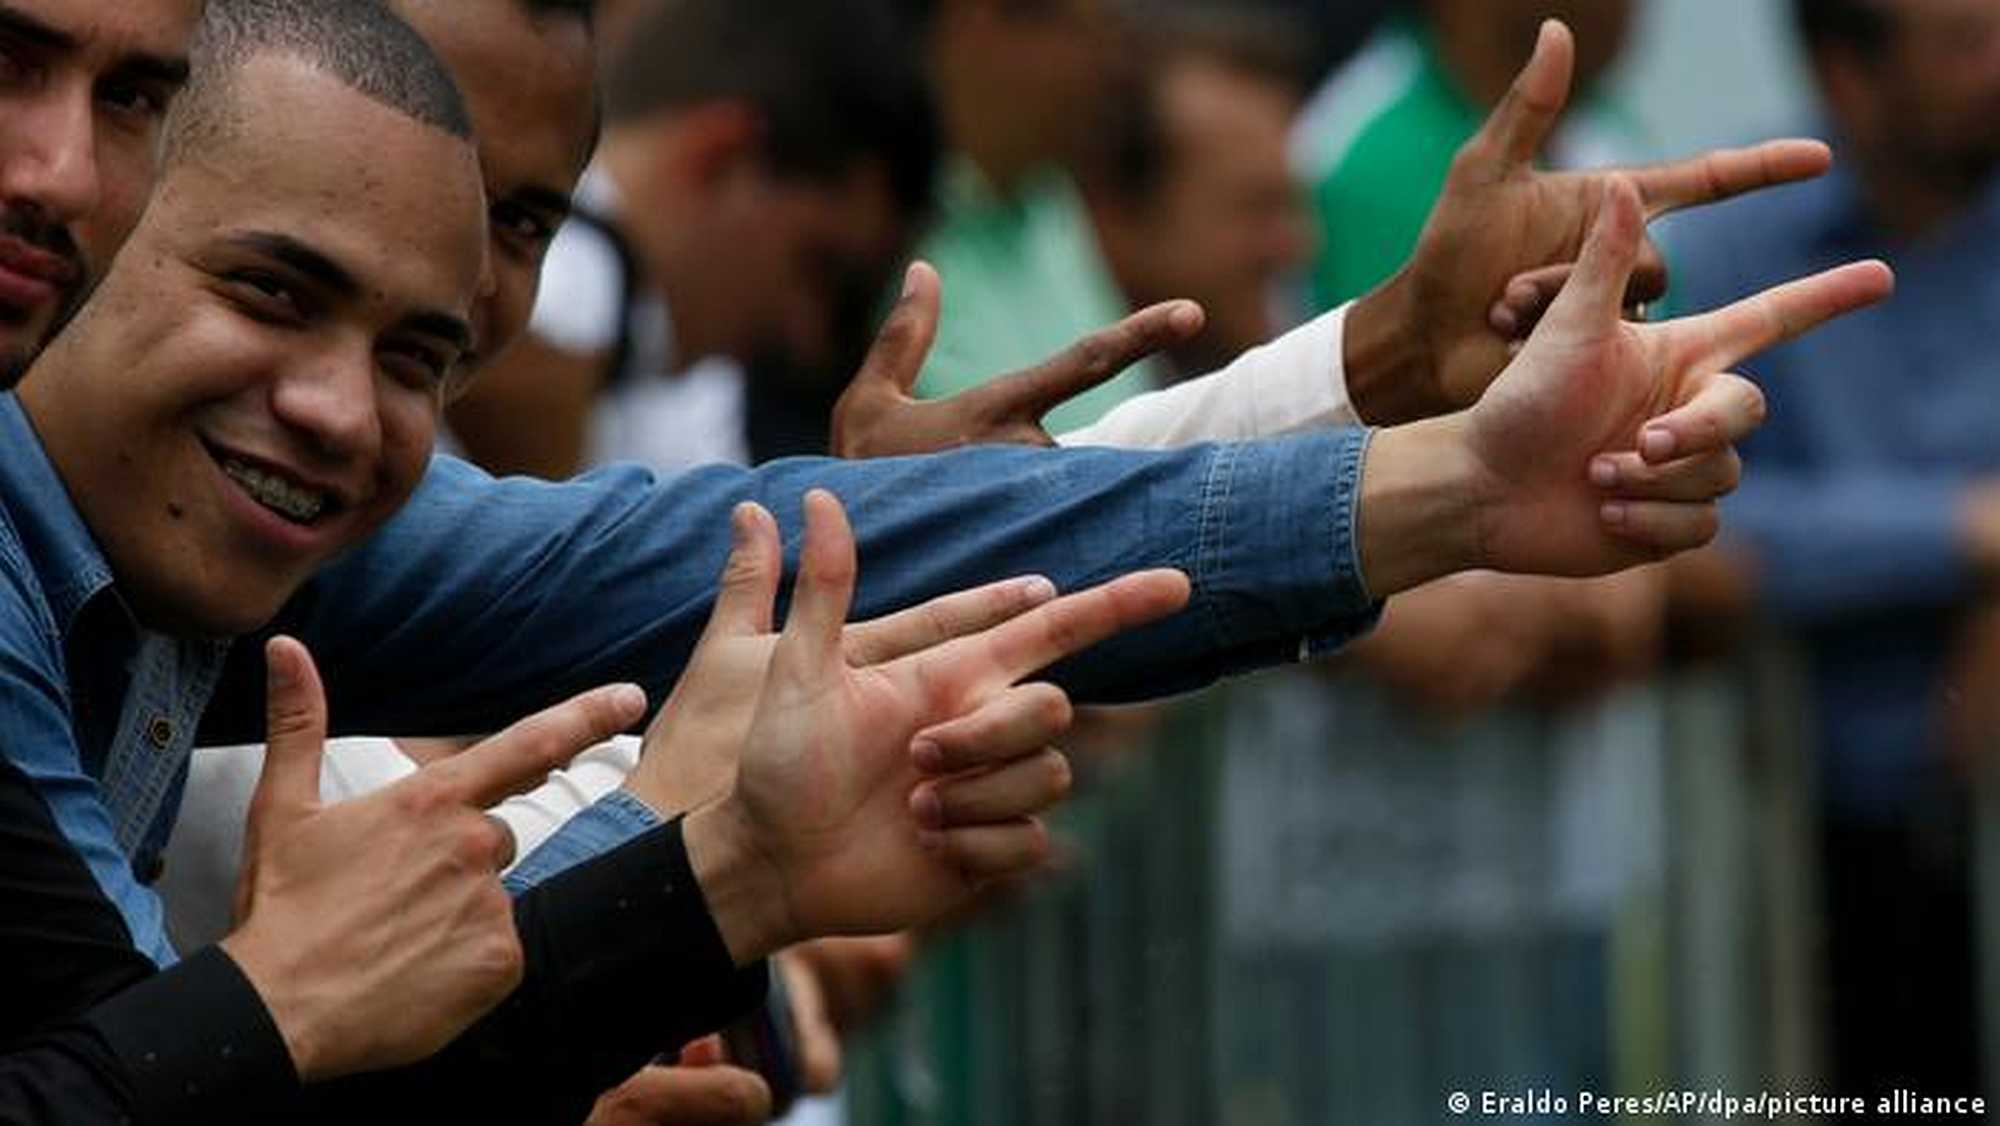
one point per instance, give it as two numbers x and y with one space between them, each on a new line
160 732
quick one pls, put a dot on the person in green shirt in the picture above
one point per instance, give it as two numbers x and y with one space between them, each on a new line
1023 272
1377 139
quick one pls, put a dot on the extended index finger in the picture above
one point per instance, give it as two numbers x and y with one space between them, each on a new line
1724 173
935 622
1028 395
1721 339
523 753
1009 651
904 341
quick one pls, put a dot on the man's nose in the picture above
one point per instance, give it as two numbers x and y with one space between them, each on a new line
50 160
328 400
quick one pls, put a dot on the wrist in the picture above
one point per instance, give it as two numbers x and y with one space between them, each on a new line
741 882
291 1011
1391 373
1424 500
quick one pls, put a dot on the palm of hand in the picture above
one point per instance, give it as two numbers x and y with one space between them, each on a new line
1575 392
852 853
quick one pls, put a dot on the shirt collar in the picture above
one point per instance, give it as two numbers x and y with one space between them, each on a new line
65 558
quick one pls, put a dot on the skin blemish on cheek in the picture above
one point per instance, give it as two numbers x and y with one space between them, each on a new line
176 512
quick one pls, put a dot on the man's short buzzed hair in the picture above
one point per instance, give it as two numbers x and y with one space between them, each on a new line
361 43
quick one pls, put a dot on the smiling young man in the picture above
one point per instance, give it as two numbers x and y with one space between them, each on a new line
270 291
83 87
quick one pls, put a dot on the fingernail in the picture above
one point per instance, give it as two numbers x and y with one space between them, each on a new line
1612 513
1657 443
1603 472
928 809
1185 318
629 697
1035 590
910 279
928 756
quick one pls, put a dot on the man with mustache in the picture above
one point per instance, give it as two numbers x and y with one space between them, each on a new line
83 88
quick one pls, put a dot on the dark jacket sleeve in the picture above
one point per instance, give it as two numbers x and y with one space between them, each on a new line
624 963
90 1032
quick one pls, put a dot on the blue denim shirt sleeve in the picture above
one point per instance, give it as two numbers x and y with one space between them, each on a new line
488 598
610 821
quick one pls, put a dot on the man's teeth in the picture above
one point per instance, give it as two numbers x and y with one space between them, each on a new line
275 493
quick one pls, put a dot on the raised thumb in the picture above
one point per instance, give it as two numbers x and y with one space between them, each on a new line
1594 296
295 736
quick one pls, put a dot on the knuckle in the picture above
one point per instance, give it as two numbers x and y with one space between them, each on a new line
420 797
1732 472
1035 846
474 844
1756 407
1057 713
1061 777
1092 355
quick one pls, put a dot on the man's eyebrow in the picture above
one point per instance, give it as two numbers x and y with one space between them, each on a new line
444 326
21 25
156 68
301 259
167 69
331 276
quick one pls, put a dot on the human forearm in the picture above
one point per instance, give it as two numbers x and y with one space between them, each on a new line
1390 366
1421 504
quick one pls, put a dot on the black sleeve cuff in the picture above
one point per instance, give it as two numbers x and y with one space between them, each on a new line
631 944
199 1045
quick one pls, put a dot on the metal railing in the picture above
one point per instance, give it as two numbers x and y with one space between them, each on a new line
1299 907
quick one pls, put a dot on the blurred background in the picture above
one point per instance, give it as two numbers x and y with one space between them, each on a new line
1720 824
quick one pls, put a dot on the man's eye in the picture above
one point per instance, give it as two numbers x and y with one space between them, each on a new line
418 365
137 100
521 226
266 297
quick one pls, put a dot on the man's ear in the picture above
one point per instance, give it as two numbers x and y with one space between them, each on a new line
717 142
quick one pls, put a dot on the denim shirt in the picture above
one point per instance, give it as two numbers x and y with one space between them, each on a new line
486 599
